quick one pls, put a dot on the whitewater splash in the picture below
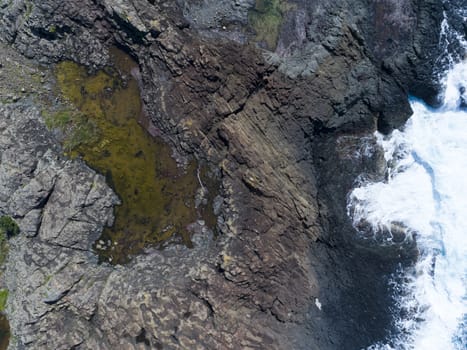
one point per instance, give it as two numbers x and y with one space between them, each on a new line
425 195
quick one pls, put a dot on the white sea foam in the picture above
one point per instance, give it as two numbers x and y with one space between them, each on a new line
426 190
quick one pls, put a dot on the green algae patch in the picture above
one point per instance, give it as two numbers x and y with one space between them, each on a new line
266 19
157 196
76 129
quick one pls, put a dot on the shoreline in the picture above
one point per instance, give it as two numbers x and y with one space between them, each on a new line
284 244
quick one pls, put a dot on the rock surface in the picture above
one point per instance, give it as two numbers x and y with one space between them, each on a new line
284 128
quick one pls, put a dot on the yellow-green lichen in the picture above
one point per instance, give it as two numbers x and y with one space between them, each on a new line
157 197
266 19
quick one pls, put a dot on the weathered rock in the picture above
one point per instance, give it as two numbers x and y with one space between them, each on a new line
280 126
44 270
77 210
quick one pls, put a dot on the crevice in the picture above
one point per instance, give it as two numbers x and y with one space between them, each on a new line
206 303
45 200
54 244
320 240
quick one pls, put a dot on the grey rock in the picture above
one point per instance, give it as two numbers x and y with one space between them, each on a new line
35 193
223 18
77 210
30 223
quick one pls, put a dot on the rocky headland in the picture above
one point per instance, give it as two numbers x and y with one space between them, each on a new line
279 100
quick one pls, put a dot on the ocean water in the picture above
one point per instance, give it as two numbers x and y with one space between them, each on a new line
425 197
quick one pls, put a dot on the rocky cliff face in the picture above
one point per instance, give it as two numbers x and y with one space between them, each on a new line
281 98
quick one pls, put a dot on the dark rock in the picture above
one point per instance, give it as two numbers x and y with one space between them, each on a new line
288 130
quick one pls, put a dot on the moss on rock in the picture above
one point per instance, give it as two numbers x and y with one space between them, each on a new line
3 299
8 227
266 19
